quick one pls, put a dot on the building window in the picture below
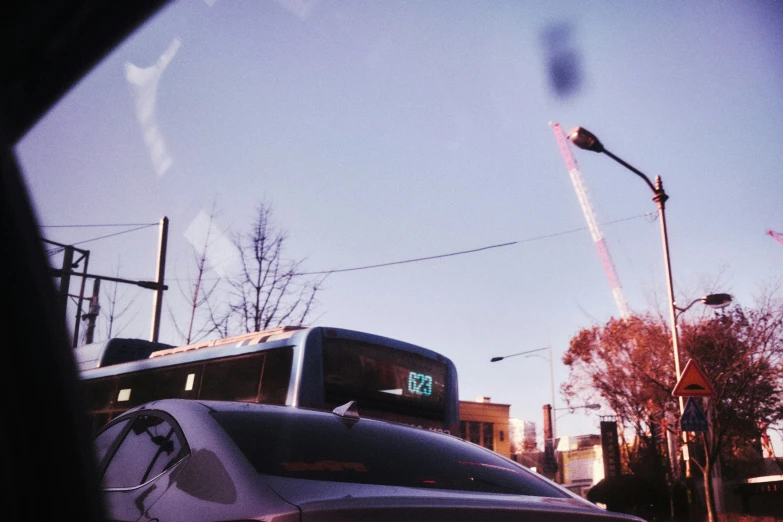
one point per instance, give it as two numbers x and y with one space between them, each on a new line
488 435
501 435
481 433
474 432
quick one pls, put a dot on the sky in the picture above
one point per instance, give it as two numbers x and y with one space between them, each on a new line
382 132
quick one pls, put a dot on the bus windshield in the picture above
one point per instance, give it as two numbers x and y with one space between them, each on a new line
383 377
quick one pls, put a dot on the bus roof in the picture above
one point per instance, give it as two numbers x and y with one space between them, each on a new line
282 332
114 351
153 355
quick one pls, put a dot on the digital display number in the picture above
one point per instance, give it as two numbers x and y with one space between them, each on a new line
420 384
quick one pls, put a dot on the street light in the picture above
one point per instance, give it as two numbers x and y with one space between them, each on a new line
712 300
551 371
572 409
550 463
585 139
585 406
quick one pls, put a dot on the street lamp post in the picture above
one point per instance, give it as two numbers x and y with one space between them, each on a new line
585 406
550 464
585 139
711 300
571 409
551 371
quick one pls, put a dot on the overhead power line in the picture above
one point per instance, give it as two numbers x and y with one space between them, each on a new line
139 226
102 225
470 251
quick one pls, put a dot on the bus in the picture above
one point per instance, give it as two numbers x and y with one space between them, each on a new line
315 367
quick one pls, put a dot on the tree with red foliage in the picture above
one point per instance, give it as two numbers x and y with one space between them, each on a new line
741 354
628 364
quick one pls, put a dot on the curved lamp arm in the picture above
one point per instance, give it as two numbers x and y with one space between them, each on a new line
711 300
584 139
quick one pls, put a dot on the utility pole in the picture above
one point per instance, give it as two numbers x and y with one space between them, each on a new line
94 309
157 302
66 272
552 419
84 260
65 280
550 461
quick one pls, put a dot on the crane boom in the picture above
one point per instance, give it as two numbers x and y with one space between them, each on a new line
592 222
776 235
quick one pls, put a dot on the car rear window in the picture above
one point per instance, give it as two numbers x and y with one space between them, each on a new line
325 447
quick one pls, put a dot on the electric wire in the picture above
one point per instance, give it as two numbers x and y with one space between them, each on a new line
138 226
470 251
101 225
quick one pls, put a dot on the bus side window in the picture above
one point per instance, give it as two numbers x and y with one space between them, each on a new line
100 393
232 379
180 383
277 374
151 385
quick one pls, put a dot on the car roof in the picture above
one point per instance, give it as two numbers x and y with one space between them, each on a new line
175 405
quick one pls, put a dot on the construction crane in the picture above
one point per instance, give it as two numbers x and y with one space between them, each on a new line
592 222
776 235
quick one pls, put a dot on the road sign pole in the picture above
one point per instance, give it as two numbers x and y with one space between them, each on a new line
692 383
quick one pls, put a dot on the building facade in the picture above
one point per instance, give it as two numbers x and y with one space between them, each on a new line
486 424
581 462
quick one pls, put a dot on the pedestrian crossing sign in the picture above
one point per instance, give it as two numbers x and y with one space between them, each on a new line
693 418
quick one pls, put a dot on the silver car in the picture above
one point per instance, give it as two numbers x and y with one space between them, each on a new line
219 461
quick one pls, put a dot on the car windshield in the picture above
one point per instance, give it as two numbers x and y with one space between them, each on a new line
369 452
403 168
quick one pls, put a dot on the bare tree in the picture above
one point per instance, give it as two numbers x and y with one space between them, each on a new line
115 311
268 291
200 294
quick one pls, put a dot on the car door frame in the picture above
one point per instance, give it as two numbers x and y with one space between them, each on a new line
120 501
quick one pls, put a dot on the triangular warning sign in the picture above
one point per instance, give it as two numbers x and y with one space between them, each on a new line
693 383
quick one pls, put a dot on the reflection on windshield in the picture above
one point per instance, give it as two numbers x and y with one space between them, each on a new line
144 85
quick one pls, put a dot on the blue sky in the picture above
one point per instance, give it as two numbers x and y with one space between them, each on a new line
388 131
